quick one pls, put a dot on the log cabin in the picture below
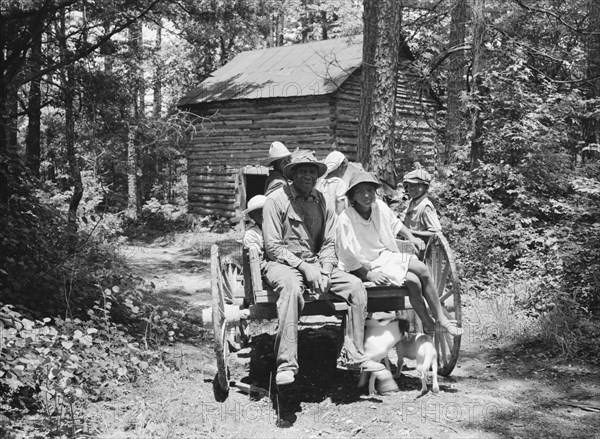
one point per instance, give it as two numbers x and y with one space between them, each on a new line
305 95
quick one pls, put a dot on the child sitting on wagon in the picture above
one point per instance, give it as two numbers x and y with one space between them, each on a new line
366 246
420 217
253 236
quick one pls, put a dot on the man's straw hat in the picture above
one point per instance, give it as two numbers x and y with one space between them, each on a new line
304 157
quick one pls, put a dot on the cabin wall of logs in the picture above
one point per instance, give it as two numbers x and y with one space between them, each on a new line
235 135
417 138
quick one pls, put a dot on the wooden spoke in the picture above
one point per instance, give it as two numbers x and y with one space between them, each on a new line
446 295
231 274
440 261
441 280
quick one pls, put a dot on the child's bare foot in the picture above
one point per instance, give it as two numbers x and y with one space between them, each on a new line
451 327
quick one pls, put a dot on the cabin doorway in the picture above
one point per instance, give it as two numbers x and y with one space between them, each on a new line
252 182
255 185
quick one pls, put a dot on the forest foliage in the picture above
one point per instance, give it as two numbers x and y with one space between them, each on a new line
524 223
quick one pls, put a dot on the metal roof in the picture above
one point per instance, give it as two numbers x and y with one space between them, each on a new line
315 68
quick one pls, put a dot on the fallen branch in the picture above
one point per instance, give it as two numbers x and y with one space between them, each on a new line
250 388
586 407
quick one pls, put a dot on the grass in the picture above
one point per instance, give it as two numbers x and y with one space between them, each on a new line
499 315
201 243
563 330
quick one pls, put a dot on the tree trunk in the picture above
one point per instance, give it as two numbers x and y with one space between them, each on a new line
280 26
140 111
455 132
32 142
68 81
70 145
591 125
380 133
107 50
305 22
133 199
324 25
4 117
158 72
370 13
7 109
132 181
276 38
9 134
476 91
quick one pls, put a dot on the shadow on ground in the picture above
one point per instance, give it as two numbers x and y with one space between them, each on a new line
318 378
534 394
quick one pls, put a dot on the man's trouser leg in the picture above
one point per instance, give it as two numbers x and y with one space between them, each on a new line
288 284
350 288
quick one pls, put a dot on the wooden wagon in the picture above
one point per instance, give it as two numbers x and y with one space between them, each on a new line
242 296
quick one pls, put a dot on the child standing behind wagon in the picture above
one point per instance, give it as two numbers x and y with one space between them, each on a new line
420 216
332 183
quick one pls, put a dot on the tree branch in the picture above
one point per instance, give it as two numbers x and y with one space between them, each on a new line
441 58
556 16
89 50
426 5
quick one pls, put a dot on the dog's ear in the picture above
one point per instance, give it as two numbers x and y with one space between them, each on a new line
404 325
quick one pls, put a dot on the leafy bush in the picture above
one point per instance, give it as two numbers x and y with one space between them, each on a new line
157 218
62 364
533 235
48 266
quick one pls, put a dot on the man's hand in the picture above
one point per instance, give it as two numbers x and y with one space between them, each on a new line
314 279
378 278
325 283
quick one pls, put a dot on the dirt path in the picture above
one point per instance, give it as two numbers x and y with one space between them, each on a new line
176 272
497 390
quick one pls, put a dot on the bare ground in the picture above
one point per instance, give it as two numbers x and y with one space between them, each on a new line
499 389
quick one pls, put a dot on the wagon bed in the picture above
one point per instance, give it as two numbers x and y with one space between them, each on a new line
241 296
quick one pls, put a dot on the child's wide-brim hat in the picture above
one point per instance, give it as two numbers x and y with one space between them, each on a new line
255 203
277 151
304 158
362 177
418 176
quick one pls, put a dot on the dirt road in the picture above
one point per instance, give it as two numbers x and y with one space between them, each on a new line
498 390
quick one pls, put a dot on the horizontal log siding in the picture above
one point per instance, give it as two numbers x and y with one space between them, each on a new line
416 138
347 100
416 135
235 134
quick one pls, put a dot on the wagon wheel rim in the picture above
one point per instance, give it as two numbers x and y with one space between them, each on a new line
219 323
440 261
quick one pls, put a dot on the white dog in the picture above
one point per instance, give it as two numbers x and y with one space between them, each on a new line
383 335
420 347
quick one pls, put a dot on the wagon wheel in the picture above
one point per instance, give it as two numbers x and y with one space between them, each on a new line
440 261
221 381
